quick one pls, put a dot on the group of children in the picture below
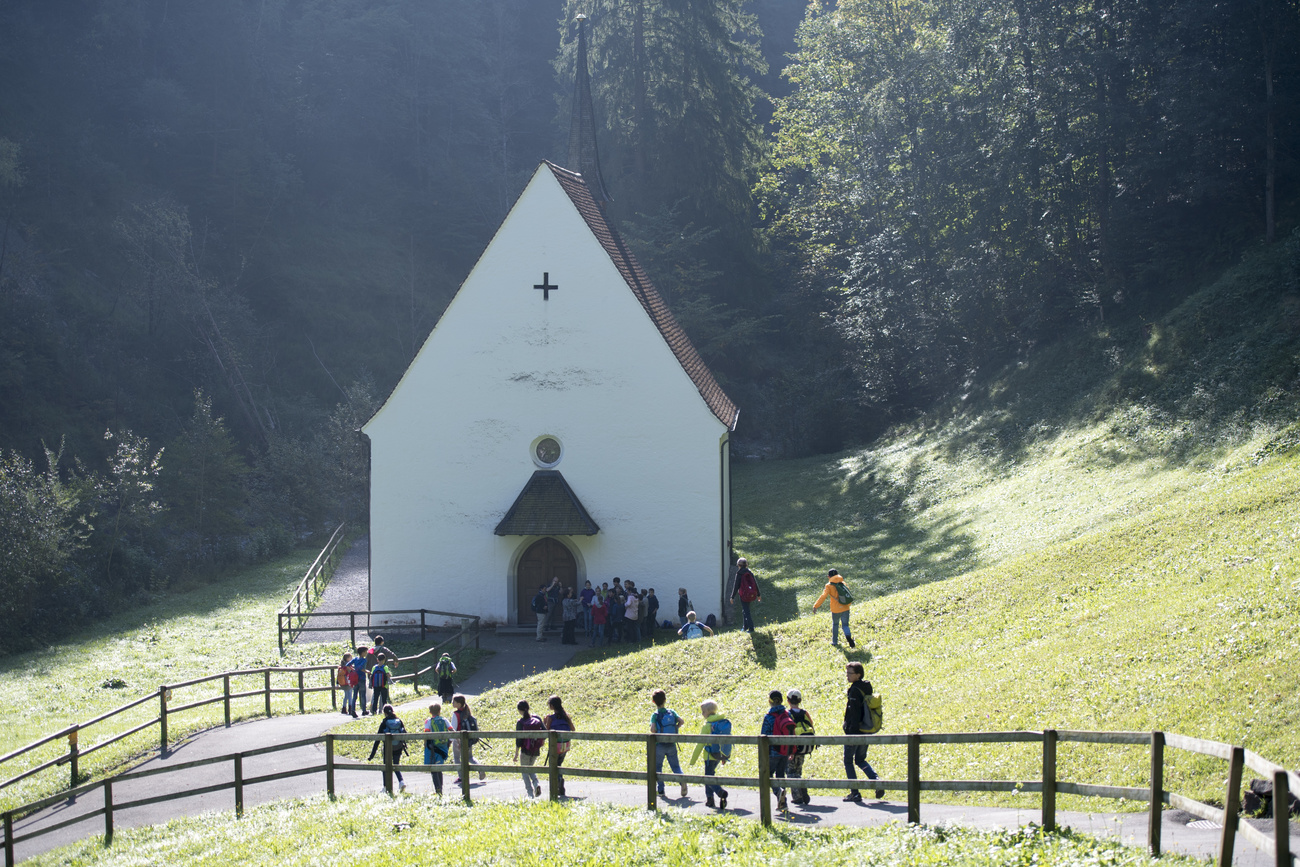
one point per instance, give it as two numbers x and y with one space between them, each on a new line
785 763
370 669
614 613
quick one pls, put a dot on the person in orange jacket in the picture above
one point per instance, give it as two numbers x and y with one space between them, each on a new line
840 602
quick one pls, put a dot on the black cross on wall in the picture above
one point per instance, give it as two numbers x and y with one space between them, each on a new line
546 286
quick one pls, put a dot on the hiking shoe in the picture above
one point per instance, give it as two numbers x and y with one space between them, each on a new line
708 802
851 644
722 802
782 805
880 794
401 787
482 775
854 796
662 793
683 790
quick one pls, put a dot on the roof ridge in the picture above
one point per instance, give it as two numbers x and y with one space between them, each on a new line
653 303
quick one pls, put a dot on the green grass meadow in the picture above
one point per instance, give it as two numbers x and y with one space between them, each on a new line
423 829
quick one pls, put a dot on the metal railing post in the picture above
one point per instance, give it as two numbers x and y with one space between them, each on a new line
9 839
651 773
764 782
1232 806
266 677
423 627
279 630
225 691
914 779
302 692
1155 810
352 629
1049 780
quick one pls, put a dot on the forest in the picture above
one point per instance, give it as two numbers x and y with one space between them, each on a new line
226 228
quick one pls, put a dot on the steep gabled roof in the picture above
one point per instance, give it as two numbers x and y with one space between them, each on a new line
648 295
547 506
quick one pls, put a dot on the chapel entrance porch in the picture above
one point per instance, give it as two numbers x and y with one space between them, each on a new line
544 559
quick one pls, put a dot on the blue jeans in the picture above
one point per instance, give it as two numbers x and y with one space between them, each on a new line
597 634
669 752
710 789
586 620
360 693
837 620
857 755
350 699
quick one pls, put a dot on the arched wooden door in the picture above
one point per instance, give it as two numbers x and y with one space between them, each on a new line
544 559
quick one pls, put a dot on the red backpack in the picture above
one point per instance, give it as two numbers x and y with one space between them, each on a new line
748 590
783 726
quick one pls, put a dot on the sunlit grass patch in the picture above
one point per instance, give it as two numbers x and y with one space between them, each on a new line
423 829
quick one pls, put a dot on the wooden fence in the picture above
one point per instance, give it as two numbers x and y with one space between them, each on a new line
468 625
1278 845
295 612
234 687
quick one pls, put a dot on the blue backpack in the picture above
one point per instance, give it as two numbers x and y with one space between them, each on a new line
722 727
693 630
665 721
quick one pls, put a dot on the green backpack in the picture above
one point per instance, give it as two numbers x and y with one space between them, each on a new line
842 594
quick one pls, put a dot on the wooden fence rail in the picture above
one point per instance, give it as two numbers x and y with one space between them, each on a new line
296 611
1278 845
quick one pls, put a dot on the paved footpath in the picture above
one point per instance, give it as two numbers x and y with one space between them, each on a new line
1178 835
514 656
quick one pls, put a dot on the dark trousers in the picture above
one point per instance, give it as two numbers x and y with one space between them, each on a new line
379 699
779 765
747 620
857 755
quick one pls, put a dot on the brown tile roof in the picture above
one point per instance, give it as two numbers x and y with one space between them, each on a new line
648 295
547 506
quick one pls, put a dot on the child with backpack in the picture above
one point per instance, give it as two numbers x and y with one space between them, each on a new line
692 628
527 749
803 726
379 680
346 677
665 722
462 720
391 725
359 664
446 683
558 720
599 613
683 606
435 748
837 593
715 754
778 722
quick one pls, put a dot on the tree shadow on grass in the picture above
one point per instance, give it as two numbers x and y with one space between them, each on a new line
796 521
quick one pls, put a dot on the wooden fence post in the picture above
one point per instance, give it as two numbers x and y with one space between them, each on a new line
553 764
239 785
9 839
225 690
651 774
72 759
108 812
388 763
1282 818
914 779
162 720
1156 807
329 766
1232 806
1049 780
302 692
266 676
463 737
764 782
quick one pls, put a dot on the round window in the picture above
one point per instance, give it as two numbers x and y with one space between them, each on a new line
546 451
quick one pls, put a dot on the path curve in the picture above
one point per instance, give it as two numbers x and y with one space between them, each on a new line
825 810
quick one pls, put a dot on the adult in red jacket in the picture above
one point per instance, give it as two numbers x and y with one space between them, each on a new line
745 586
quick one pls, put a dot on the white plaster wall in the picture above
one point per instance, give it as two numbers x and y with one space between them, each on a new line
451 447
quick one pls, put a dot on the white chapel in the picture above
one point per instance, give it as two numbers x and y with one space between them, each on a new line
556 422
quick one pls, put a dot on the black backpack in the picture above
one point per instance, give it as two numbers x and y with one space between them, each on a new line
539 603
